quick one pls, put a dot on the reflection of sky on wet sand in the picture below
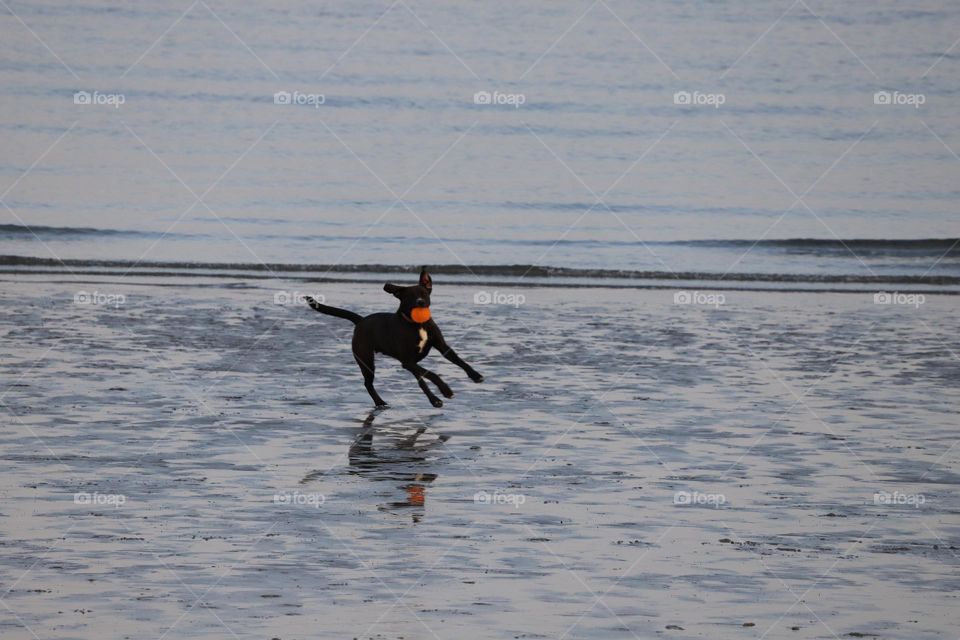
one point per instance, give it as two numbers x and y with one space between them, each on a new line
598 408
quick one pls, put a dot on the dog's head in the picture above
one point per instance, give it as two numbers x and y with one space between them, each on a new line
412 297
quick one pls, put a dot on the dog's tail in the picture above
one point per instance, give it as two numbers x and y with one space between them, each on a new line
333 311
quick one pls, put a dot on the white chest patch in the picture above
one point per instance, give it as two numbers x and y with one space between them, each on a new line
423 340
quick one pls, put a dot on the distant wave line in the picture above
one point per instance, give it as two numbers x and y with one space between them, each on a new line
892 245
514 271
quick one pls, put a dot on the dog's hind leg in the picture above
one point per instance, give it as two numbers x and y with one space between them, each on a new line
364 358
419 373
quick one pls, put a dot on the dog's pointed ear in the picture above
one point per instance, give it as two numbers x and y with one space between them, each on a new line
392 288
425 281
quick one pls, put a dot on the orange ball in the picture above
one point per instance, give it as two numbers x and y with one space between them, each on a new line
420 314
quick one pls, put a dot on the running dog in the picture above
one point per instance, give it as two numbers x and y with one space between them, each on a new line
407 335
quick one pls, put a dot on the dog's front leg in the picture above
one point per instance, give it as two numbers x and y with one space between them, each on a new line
447 352
452 356
419 373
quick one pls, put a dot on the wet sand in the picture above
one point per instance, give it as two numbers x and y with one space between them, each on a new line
782 466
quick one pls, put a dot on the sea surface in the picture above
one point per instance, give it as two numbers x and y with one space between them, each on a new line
588 155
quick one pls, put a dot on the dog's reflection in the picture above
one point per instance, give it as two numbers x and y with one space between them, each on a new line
395 458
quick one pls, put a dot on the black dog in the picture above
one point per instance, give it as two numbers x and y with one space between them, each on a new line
399 336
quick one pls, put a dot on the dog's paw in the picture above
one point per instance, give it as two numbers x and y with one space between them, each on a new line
477 378
437 402
381 407
447 392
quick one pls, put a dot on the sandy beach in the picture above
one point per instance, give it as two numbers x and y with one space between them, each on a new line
198 460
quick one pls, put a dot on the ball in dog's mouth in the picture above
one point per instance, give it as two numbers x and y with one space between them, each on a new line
420 314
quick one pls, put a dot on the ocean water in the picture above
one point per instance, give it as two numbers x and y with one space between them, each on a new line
588 156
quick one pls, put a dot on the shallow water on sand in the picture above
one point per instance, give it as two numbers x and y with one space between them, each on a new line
261 499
